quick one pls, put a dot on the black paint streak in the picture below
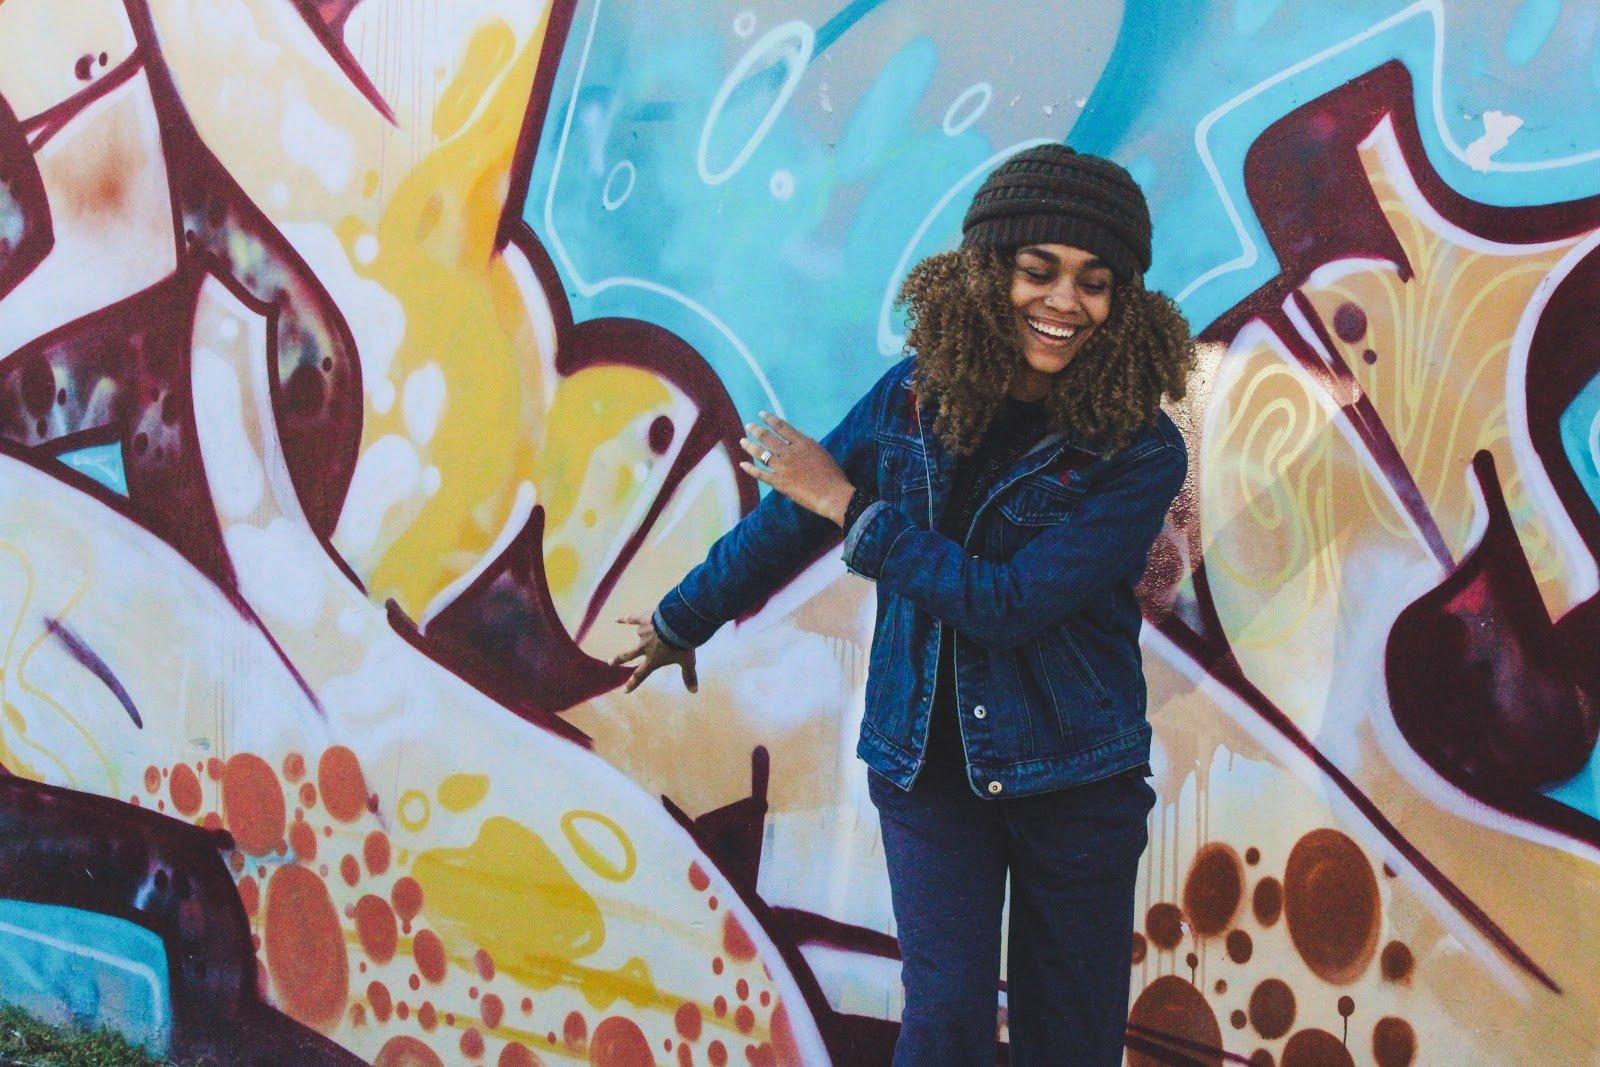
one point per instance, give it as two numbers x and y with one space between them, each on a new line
95 666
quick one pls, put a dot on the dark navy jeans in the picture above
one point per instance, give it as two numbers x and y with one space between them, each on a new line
1072 856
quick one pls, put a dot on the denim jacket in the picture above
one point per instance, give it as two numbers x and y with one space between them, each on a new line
1050 689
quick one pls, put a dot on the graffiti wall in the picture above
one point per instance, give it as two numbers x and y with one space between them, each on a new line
361 361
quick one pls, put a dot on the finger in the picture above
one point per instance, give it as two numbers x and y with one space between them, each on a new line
764 427
618 661
639 674
757 473
783 429
752 448
691 677
632 620
765 436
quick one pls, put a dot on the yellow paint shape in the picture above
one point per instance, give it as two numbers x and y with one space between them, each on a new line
590 409
459 792
508 893
487 55
415 809
595 857
436 256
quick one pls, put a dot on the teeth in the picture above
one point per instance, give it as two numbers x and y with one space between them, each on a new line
1052 331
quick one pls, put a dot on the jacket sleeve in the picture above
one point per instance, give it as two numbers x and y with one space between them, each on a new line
769 546
1001 605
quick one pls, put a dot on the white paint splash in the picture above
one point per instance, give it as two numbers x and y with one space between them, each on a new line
1498 126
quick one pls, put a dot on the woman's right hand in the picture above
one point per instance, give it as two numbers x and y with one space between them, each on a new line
654 652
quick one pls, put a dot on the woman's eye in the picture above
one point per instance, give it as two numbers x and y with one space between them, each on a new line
1037 275
1096 287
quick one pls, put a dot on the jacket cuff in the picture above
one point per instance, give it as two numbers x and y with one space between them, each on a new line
870 541
679 624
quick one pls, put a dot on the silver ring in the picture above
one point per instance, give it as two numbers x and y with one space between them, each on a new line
766 458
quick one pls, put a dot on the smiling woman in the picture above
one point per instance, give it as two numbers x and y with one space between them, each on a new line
1003 488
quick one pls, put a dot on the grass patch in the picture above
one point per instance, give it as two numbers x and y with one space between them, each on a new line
24 1039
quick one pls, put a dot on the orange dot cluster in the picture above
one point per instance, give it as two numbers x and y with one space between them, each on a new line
288 869
1328 896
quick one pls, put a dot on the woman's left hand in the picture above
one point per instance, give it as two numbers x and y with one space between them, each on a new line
796 466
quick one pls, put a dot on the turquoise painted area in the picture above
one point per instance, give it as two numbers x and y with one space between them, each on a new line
1531 27
1178 62
847 17
1580 424
86 969
788 258
1250 15
1582 790
103 463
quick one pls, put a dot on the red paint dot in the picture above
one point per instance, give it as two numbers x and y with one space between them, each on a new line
427 1016
252 804
472 991
688 1020
407 897
350 870
744 1019
375 926
716 965
406 1051
515 1055
527 1005
294 766
214 768
358 1015
249 895
344 789
785 1046
305 948
185 790
303 840
766 998
735 941
720 1006
742 989
484 964
415 982
619 1042
472 1044
685 1056
429 951
378 997
574 1031
375 850
402 1010
212 821
712 903
698 878
717 1054
494 1010
152 779
308 794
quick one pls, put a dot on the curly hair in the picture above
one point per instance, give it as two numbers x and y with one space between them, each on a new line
963 330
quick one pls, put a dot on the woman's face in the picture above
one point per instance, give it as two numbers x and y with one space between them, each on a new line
1062 295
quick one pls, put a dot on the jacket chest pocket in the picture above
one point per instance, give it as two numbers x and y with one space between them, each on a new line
1027 509
903 476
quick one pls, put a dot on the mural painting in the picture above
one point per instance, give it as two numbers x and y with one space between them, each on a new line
361 361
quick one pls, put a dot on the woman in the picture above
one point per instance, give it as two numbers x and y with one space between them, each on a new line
1003 488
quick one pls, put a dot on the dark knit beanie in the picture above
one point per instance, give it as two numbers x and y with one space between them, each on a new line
1050 194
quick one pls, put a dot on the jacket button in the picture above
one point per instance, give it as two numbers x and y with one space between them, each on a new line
995 787
979 712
